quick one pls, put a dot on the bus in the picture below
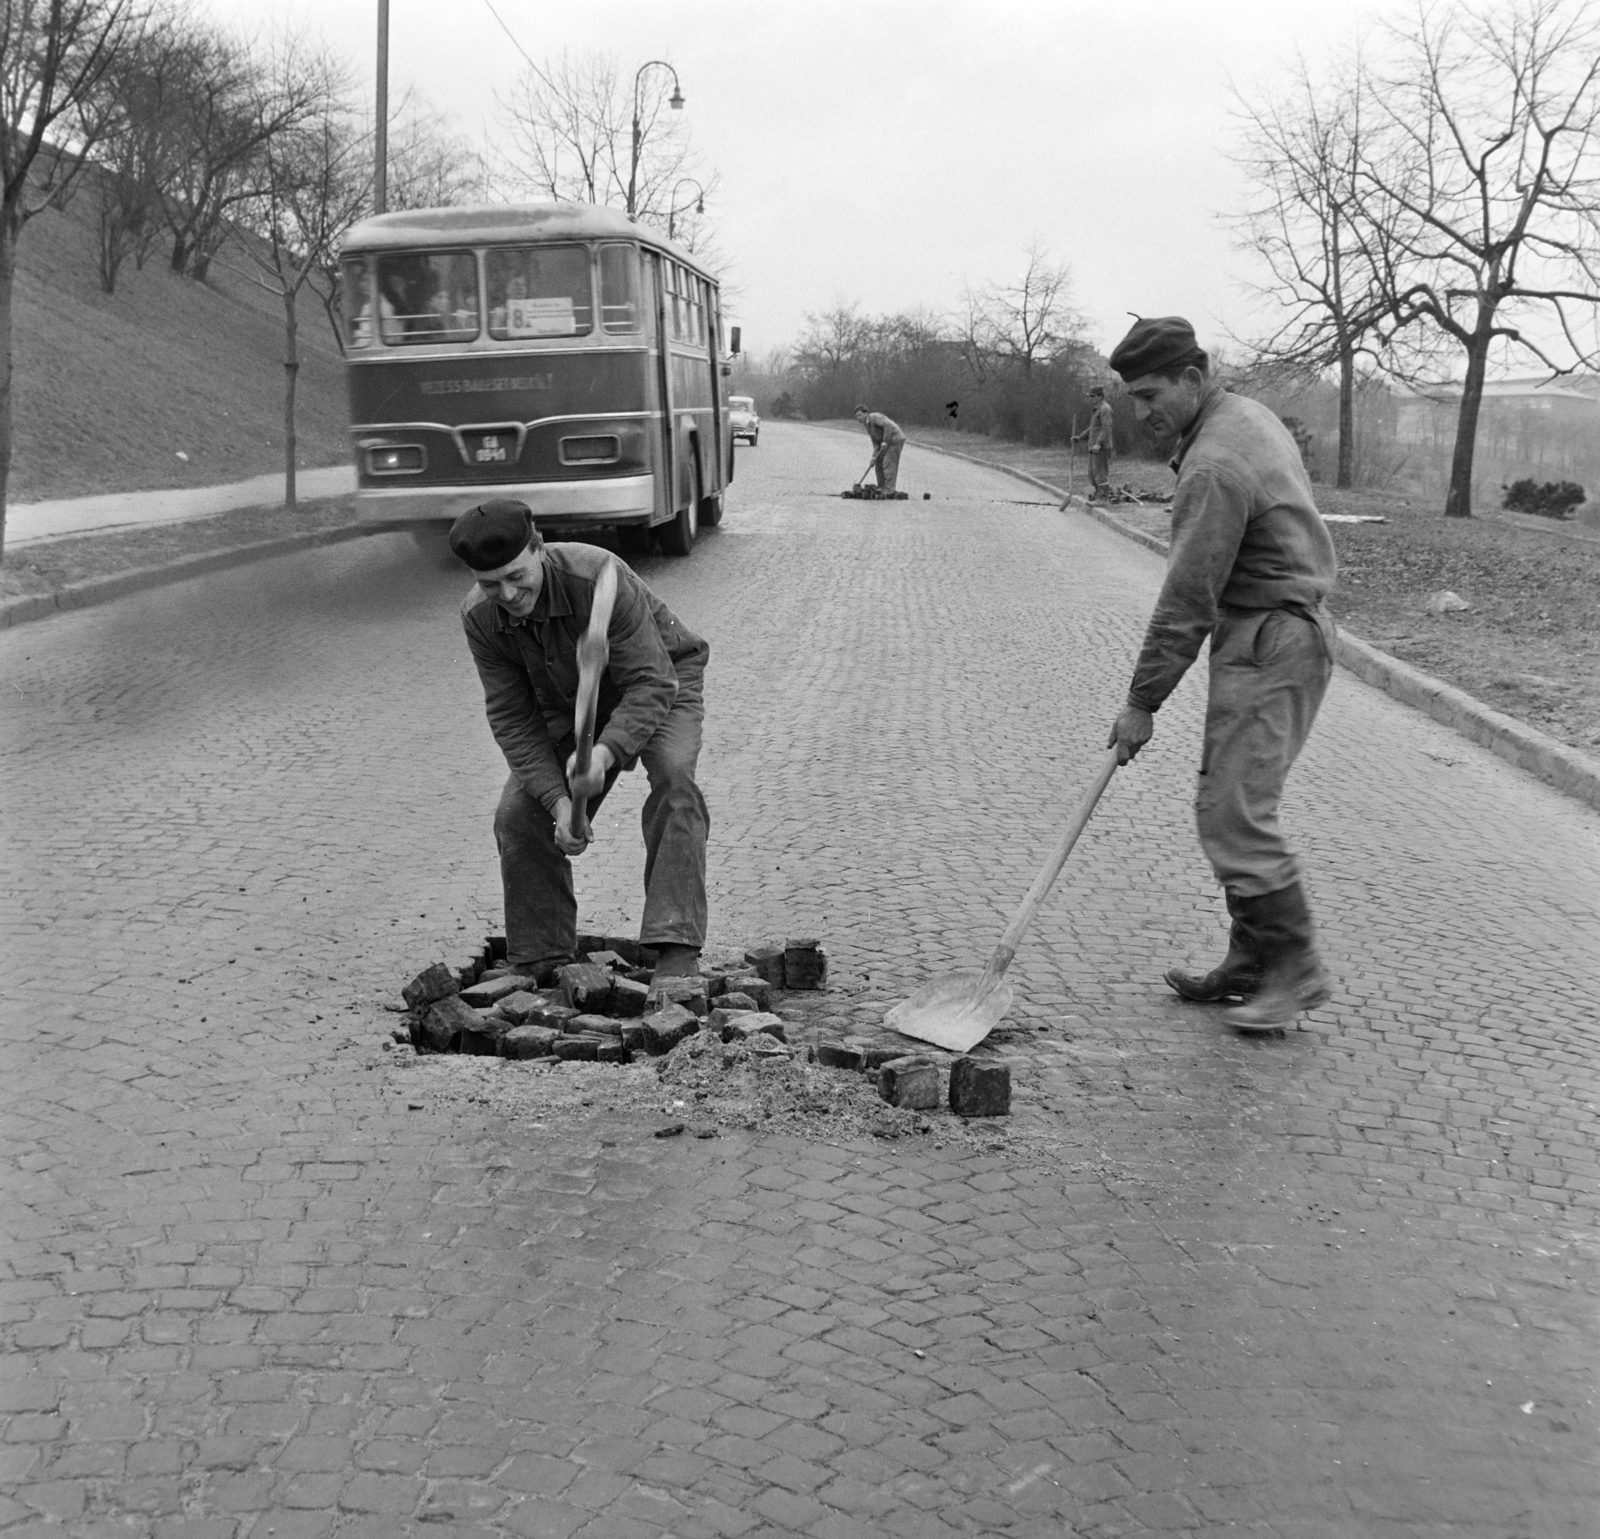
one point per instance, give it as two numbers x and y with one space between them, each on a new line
558 353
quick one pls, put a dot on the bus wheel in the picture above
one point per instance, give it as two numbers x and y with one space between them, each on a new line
677 538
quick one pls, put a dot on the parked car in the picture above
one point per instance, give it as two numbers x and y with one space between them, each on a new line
742 419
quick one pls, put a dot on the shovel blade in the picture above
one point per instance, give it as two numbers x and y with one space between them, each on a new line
951 1012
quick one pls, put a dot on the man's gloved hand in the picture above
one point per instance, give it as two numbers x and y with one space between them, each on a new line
1130 732
592 784
567 841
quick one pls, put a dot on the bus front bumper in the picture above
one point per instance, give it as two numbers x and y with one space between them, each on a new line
555 504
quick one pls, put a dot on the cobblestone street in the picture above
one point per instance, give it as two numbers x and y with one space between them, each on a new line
253 1284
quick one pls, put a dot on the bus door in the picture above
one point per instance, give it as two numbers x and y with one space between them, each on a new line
723 459
666 423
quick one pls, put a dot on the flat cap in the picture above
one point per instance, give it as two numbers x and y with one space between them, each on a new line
1153 344
493 534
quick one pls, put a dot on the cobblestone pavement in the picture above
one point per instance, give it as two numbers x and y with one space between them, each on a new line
1338 1284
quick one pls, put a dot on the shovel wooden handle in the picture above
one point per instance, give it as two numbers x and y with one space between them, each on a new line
1046 878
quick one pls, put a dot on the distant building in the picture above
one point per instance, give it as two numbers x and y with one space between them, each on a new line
1529 426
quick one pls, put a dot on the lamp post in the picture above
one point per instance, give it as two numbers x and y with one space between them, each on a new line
380 147
672 210
675 101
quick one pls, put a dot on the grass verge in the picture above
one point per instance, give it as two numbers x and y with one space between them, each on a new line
1529 642
48 566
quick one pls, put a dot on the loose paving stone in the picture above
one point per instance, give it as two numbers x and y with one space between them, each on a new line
587 988
980 1089
518 1007
766 962
441 1025
491 992
911 1083
740 1025
668 1026
530 1042
841 1055
805 964
629 997
687 993
436 981
595 1026
752 986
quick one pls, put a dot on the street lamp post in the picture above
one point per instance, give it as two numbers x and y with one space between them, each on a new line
672 210
675 101
380 147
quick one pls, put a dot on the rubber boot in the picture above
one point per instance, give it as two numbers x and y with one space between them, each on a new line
1235 977
1292 979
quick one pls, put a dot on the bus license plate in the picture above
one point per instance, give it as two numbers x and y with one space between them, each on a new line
491 450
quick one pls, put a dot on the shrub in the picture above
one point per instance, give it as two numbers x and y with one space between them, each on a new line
1552 499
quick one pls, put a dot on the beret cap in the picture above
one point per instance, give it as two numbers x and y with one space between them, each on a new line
493 534
1153 344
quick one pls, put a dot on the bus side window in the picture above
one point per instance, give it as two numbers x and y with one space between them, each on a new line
619 288
675 283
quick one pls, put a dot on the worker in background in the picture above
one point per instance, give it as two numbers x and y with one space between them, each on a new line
887 442
1099 433
1251 563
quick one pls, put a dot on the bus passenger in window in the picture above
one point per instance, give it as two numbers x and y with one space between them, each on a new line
523 620
887 442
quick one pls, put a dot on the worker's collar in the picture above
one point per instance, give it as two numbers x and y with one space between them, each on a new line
1208 404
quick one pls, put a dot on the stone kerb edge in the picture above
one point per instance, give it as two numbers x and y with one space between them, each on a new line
1565 768
102 590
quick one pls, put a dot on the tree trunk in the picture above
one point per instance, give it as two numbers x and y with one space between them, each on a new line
8 272
1458 500
291 374
1347 417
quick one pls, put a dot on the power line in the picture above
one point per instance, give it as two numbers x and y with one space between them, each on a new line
509 33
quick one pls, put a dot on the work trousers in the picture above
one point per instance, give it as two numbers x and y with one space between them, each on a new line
888 466
1269 671
541 907
1100 468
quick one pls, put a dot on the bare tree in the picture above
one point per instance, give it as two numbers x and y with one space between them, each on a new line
54 54
1301 150
311 184
430 164
1024 322
1482 170
833 339
571 132
227 105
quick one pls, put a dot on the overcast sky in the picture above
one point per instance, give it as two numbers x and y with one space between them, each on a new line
890 151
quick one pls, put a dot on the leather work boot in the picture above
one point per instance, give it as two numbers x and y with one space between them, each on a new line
675 961
1235 977
1292 980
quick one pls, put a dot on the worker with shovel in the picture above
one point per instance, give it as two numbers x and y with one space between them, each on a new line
1099 433
1250 566
887 442
585 673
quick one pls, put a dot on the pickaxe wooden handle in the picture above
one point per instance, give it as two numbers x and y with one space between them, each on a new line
594 652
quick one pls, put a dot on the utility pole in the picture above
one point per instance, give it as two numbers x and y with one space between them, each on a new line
380 151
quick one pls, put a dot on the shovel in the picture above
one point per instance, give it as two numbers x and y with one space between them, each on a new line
958 1010
594 652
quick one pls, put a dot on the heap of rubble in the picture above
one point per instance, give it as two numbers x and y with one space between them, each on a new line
609 1008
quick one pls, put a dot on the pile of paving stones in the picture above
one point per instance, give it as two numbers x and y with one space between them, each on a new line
609 1008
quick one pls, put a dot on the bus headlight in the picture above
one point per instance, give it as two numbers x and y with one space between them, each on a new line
396 459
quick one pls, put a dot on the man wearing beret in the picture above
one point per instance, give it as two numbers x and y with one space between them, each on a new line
524 619
887 442
1250 565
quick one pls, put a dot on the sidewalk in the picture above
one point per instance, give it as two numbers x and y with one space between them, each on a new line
29 522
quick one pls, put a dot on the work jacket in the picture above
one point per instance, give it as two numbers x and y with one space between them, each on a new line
529 668
884 429
1101 426
1246 534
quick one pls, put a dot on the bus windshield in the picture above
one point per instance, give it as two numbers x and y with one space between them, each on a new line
424 297
539 291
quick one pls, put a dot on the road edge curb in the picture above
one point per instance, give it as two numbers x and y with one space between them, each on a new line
102 590
1571 772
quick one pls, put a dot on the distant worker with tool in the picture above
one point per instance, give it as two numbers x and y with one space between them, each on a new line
573 650
1100 435
1250 566
887 442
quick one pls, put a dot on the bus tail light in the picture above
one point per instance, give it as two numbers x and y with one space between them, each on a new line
595 449
396 459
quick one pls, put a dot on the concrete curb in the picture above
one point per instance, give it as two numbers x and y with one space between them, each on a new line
1568 770
101 590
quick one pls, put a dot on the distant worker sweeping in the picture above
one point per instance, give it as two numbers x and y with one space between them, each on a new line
579 660
887 442
1251 564
1100 435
